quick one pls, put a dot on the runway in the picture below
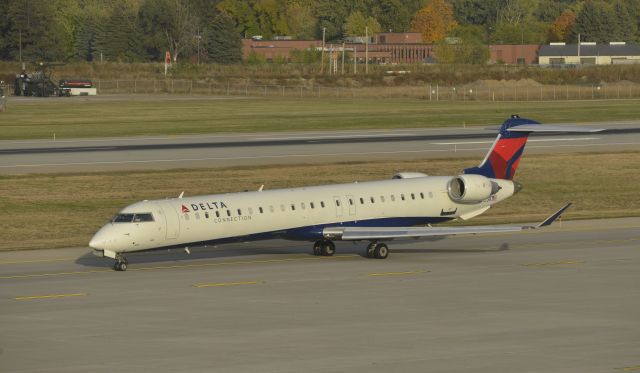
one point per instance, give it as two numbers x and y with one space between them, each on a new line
563 299
215 150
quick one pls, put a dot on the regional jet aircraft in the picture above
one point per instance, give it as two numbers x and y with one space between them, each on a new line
376 211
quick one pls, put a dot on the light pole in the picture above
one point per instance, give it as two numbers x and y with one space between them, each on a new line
324 29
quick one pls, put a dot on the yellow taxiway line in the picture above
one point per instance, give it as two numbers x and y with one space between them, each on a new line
406 273
51 296
221 284
548 264
176 266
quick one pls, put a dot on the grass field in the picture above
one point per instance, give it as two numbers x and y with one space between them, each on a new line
161 115
48 211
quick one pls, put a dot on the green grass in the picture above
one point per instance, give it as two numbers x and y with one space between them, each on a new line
160 115
61 210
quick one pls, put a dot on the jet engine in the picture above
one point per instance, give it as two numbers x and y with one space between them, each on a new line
471 188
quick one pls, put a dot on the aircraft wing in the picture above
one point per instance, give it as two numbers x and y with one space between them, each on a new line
380 233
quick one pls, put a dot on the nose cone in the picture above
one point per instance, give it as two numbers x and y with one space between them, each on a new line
517 187
99 240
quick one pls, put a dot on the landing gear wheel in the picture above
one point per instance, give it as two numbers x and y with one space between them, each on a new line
328 248
121 264
381 251
370 248
317 248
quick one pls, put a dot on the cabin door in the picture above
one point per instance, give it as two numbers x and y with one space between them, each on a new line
338 203
171 220
352 206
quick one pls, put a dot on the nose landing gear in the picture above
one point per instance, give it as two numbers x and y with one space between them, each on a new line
121 263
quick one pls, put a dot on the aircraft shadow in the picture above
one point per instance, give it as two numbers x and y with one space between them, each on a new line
259 251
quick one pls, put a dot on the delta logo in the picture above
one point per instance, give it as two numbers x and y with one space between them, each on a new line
204 206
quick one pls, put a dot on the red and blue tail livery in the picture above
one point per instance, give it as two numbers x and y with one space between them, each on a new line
502 160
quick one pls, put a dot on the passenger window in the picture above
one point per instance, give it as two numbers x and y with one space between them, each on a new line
361 201
337 202
413 196
402 197
381 198
293 207
206 215
217 214
312 205
239 212
228 212
322 204
350 202
373 200
421 195
260 209
393 198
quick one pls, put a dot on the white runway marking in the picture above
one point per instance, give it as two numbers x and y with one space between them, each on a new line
290 156
529 140
333 137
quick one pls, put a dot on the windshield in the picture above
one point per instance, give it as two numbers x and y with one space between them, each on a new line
128 218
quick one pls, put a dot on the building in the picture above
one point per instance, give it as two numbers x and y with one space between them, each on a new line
276 49
526 54
613 53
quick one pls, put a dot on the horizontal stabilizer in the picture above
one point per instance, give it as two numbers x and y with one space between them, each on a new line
546 128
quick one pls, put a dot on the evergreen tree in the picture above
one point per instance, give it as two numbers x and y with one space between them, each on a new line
223 42
627 26
595 22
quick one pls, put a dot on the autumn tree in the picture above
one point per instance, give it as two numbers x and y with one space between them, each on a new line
559 30
434 21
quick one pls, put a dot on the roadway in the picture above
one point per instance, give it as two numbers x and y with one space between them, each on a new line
220 150
564 299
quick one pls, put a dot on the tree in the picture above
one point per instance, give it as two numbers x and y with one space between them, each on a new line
559 30
476 12
595 22
357 25
222 40
168 25
395 15
434 21
627 26
533 32
302 22
470 47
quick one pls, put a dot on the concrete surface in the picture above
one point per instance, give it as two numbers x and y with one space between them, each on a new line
564 299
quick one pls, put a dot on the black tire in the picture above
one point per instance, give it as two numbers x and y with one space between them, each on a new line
317 248
123 266
328 248
116 266
370 249
381 251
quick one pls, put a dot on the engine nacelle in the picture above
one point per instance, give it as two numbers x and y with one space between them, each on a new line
408 175
471 188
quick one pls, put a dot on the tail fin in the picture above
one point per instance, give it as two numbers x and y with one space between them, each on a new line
502 159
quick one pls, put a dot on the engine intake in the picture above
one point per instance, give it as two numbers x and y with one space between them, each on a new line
471 188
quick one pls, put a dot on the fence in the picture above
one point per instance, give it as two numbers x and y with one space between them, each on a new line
430 92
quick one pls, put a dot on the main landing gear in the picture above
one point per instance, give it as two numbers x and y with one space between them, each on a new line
377 250
324 248
121 263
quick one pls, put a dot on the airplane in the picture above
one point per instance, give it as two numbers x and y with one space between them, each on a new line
404 206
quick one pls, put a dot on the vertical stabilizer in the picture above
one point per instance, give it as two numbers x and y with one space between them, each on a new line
502 159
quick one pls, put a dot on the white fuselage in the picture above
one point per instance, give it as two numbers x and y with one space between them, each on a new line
296 213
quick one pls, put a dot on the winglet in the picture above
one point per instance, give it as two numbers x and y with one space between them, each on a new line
553 217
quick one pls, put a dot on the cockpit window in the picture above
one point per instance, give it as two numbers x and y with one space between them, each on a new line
128 218
142 217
